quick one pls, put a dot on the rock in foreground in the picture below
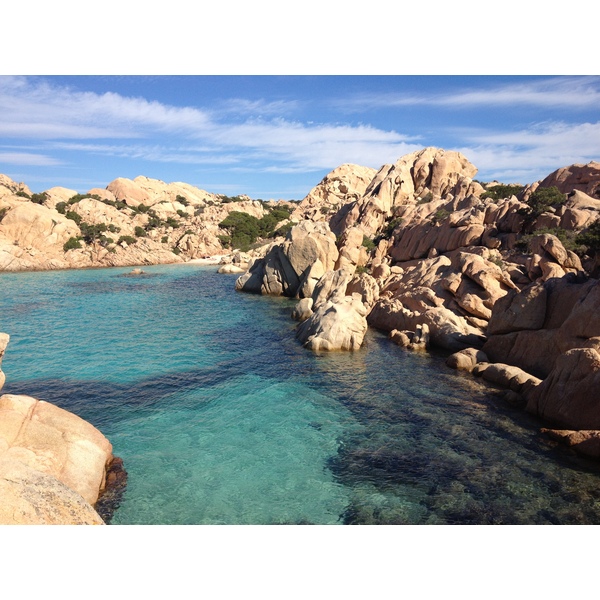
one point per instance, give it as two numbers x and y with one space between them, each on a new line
52 464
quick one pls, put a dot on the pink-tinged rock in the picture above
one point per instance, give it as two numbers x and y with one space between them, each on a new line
466 359
56 442
570 395
339 325
585 442
585 178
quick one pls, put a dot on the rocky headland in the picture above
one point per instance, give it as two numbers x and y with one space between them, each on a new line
504 277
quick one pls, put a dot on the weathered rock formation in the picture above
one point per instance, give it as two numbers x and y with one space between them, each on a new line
585 178
337 321
53 464
431 172
132 222
344 184
293 267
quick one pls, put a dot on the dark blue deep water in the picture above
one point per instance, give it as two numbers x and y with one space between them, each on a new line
221 416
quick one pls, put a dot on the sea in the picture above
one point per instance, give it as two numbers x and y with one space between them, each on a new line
221 416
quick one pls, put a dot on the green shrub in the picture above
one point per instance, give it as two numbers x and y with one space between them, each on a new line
181 200
61 207
94 233
228 199
171 222
71 214
176 250
428 197
72 244
388 230
542 199
501 191
39 198
118 204
569 239
440 215
225 240
164 239
3 212
590 238
283 230
22 194
128 239
140 232
368 243
182 214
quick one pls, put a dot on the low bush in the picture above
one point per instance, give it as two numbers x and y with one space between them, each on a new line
39 198
368 243
128 239
72 243
140 232
71 214
501 191
590 238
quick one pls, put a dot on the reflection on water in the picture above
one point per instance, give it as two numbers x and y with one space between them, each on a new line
221 417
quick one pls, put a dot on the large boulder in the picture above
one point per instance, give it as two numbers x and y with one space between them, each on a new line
585 178
520 337
344 184
570 394
52 463
335 325
293 267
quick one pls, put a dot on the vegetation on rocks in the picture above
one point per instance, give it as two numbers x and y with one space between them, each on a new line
542 200
501 191
590 238
244 229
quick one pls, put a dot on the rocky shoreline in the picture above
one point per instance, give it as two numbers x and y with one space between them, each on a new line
501 277
429 255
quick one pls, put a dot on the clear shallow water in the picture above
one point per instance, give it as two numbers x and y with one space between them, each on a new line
221 417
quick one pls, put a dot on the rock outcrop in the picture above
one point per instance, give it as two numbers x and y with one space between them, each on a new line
338 321
344 184
53 464
132 222
293 267
585 178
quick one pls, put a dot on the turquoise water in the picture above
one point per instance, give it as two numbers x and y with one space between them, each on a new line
222 418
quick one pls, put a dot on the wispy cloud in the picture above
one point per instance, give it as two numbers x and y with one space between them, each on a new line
573 92
542 147
34 109
27 158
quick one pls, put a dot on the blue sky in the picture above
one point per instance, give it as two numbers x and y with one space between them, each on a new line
277 136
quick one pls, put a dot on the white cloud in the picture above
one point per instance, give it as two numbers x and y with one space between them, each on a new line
27 158
573 92
35 109
532 153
